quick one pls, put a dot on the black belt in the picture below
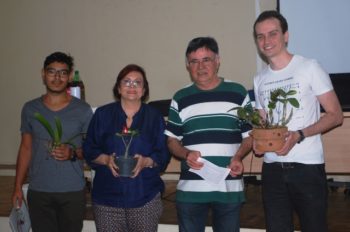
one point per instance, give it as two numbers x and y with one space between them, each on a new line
286 165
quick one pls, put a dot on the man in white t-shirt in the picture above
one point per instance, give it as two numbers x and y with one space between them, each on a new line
294 178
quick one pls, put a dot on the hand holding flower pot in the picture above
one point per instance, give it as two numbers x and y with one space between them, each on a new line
126 163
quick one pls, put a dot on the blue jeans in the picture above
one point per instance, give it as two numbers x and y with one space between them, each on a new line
192 217
294 187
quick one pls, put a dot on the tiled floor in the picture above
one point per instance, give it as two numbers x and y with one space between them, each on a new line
251 215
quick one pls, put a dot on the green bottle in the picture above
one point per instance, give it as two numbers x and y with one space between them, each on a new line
76 86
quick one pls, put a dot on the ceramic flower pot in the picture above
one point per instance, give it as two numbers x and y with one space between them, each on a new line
125 165
267 140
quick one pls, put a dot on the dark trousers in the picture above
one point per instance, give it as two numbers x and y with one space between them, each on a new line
192 217
56 212
288 187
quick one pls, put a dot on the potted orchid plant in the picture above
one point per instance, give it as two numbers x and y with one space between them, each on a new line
55 132
269 131
126 163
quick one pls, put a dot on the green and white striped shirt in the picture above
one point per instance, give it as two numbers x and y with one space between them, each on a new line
203 121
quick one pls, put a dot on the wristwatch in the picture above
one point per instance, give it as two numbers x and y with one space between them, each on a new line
74 155
302 136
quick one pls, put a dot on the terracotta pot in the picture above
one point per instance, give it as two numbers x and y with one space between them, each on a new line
269 139
125 165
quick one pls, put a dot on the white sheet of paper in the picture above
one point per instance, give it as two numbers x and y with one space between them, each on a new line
211 172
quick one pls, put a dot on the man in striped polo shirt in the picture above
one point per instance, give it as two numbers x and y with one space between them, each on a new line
202 124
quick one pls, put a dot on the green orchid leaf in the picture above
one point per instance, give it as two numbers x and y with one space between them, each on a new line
291 92
58 131
241 113
70 140
294 102
134 132
46 124
282 100
271 105
74 136
256 119
273 96
282 93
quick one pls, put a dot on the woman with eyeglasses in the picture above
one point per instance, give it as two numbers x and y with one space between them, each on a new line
127 127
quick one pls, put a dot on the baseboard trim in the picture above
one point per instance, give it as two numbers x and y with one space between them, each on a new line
89 226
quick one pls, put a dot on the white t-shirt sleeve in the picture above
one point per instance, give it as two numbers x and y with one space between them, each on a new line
320 81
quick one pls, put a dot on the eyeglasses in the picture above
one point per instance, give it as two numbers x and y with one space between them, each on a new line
130 83
205 61
51 72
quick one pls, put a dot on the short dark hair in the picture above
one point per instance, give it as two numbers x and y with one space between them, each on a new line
125 71
269 15
60 57
202 42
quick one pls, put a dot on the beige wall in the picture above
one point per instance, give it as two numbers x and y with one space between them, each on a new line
105 35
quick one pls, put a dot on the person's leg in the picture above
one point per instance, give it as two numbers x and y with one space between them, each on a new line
109 218
145 218
71 210
276 200
310 193
226 217
42 212
192 216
